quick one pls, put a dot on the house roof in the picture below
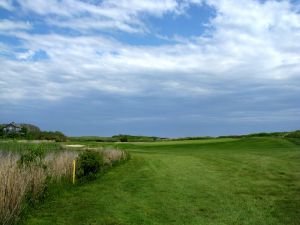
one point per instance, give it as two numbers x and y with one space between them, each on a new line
13 124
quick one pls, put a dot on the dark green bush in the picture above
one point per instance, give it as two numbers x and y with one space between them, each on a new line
123 138
32 156
46 135
294 134
88 164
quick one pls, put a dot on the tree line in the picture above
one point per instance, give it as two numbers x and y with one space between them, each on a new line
31 132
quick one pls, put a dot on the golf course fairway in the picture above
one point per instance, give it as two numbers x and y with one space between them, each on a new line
220 181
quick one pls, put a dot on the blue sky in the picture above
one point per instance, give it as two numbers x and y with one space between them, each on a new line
153 67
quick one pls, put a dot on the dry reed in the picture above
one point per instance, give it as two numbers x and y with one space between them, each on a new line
60 165
12 188
19 181
111 156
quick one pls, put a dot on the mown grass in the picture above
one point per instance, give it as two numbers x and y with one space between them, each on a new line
245 181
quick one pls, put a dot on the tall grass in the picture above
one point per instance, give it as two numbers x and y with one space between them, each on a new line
23 179
60 165
19 146
27 182
112 156
12 188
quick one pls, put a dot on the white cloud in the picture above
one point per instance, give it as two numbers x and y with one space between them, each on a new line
9 25
25 55
121 15
120 9
6 4
250 44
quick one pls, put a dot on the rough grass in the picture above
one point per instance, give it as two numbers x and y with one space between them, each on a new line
27 170
28 182
21 146
247 181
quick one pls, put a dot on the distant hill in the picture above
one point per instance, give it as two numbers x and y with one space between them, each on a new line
135 138
286 134
117 138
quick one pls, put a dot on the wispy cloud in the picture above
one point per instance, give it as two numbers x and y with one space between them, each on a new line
6 4
236 49
109 14
249 51
10 25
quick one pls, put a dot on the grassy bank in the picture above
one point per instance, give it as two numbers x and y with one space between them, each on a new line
244 181
28 172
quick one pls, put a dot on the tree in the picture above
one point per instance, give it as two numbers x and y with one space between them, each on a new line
24 131
123 138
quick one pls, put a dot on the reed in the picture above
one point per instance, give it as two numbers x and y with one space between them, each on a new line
22 182
28 181
60 165
112 156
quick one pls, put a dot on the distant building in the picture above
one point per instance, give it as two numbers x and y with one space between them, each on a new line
12 128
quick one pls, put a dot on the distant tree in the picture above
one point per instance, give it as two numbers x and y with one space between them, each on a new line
1 130
12 135
23 131
294 134
123 138
30 127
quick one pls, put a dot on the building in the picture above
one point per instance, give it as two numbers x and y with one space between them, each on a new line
12 128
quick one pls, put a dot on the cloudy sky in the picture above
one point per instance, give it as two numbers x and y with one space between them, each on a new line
151 67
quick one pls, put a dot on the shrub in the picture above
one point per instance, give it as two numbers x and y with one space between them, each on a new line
46 135
33 156
88 164
294 134
123 138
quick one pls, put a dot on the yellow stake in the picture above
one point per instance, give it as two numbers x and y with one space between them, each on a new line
74 169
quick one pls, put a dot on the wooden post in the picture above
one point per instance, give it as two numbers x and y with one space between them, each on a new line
74 169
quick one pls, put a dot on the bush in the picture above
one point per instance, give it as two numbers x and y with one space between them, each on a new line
88 164
46 135
123 138
33 156
294 134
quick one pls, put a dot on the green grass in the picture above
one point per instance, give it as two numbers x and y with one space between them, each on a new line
116 138
224 181
17 146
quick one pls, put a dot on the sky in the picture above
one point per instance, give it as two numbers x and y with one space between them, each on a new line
169 68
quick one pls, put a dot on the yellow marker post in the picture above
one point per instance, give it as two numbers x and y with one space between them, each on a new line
74 169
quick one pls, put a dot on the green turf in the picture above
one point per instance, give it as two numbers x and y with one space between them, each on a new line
247 181
18 146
